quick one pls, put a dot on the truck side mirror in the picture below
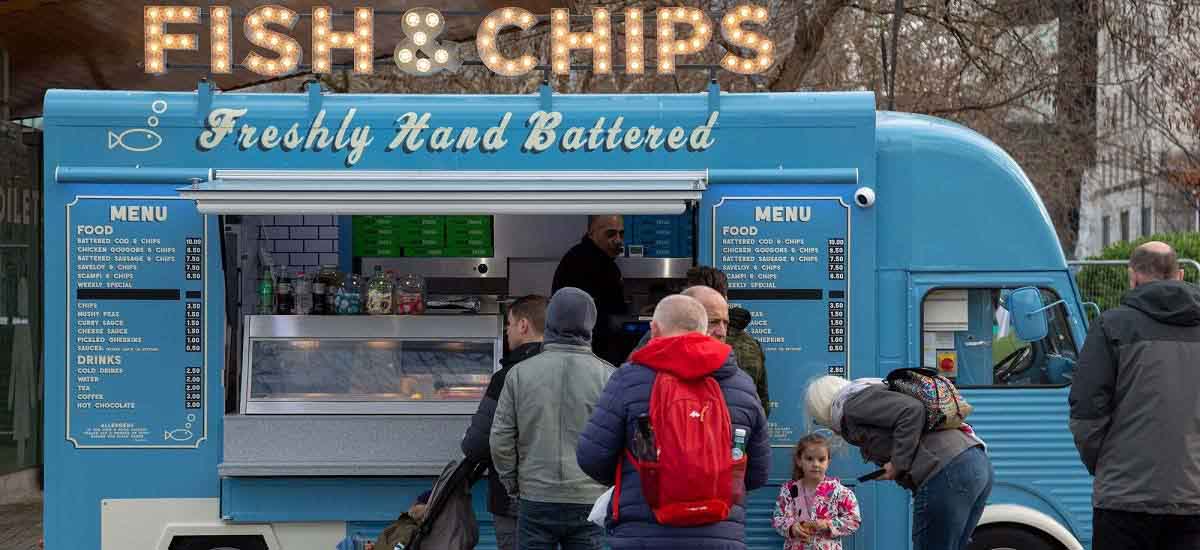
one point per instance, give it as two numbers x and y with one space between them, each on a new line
1028 319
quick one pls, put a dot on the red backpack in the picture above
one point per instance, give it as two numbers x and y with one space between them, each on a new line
693 481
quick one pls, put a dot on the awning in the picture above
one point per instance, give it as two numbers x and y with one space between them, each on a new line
250 192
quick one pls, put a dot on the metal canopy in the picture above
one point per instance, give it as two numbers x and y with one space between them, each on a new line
249 192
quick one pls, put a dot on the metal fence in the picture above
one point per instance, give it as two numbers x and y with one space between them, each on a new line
1104 281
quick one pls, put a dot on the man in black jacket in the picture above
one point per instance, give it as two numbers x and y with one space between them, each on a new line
591 267
1135 410
526 325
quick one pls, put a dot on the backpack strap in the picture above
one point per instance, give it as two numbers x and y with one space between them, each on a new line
616 497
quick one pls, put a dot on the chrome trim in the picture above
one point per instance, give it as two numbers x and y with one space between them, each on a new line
654 268
325 327
696 179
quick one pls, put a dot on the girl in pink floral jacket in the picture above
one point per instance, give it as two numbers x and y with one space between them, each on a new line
814 511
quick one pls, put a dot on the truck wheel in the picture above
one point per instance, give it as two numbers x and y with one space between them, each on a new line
1011 538
218 542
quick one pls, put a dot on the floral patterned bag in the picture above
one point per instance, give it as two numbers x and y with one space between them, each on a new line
945 408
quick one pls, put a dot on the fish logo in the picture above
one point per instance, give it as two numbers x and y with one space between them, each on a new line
137 140
180 434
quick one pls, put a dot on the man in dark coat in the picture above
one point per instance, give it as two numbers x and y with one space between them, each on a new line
1135 410
524 332
591 266
679 346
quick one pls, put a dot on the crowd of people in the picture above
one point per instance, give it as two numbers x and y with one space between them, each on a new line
659 449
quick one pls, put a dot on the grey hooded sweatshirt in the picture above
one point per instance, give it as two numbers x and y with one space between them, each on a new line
545 404
1135 402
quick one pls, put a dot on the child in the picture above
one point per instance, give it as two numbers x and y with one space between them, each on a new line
814 511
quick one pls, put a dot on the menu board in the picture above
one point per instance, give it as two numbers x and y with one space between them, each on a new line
135 323
786 260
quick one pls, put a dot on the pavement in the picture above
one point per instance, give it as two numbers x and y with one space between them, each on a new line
21 525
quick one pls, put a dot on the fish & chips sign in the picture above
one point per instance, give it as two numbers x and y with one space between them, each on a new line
681 31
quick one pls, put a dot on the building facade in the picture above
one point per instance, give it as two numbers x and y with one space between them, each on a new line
1138 185
20 312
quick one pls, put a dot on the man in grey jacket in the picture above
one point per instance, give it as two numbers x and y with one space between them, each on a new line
1135 410
545 404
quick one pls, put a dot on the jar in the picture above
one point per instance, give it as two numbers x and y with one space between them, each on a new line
410 295
379 293
348 300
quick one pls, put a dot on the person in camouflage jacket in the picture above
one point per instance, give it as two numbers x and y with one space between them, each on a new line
750 356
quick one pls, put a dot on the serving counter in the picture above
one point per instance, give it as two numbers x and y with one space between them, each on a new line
357 395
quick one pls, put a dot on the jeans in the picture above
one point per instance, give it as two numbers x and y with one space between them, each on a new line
506 532
1116 530
948 506
549 525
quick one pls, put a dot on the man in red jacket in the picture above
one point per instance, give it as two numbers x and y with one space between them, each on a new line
681 347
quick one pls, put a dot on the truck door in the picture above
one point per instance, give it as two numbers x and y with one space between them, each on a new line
1018 389
800 257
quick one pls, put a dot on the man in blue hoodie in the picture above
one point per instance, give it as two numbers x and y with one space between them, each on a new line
679 346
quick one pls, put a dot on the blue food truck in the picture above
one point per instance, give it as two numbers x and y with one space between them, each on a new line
189 406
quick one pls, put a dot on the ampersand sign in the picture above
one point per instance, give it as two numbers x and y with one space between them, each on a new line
420 53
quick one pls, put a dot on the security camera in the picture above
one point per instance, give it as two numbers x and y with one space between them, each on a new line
864 197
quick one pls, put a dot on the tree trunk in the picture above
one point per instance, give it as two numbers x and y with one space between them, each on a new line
1075 111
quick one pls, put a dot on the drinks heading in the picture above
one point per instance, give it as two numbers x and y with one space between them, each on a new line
681 31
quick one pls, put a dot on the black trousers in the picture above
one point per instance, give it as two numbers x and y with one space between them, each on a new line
1114 530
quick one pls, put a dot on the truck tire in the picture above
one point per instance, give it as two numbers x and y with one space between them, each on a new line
1011 538
218 542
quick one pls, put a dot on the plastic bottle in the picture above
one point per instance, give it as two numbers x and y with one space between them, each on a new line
319 288
266 293
303 291
379 293
285 302
644 446
739 443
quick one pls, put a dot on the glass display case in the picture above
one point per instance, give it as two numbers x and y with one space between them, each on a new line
415 364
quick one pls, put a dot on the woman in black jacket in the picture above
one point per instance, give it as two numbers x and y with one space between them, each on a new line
947 471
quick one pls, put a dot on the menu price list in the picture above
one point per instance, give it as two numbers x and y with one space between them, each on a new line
193 327
193 391
837 259
193 265
837 326
126 287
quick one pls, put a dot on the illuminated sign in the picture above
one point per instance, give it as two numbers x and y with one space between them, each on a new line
681 31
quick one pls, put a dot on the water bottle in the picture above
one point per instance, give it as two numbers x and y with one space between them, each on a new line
304 297
266 294
644 447
739 443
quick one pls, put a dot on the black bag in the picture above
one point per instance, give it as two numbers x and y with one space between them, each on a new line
450 522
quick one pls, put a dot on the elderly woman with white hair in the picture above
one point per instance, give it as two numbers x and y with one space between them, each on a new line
947 471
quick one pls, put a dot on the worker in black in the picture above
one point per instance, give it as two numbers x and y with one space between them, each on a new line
591 267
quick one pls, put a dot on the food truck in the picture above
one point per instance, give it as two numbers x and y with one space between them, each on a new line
187 409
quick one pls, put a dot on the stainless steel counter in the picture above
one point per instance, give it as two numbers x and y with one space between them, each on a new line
410 364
